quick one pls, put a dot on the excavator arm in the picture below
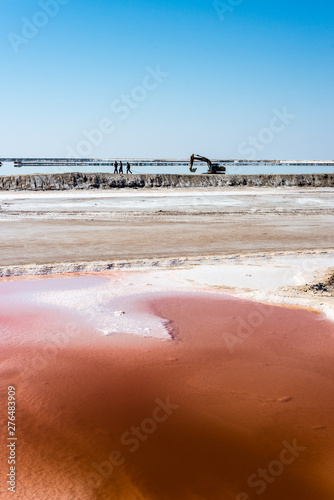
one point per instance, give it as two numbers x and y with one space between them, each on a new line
198 158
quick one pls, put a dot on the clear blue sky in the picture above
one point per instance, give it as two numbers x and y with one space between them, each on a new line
229 67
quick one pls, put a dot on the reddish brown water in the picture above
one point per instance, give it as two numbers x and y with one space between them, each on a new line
236 404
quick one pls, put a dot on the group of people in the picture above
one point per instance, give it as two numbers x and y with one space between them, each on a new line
119 170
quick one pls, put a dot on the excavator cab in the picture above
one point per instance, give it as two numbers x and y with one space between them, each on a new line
215 168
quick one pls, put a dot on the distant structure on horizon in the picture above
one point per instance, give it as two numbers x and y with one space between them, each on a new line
142 162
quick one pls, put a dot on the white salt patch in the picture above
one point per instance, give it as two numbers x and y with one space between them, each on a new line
98 305
263 273
111 305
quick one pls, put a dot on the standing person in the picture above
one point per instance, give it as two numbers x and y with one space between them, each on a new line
120 168
128 168
115 167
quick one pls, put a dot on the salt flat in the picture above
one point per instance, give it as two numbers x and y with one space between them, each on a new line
154 199
48 228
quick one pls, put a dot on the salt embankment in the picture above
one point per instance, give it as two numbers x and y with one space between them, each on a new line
76 180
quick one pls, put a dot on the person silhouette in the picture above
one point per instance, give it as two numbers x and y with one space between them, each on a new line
128 168
115 167
120 171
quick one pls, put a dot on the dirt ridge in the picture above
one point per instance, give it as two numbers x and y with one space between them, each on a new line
82 181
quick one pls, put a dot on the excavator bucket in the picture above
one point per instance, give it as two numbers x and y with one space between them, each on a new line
191 164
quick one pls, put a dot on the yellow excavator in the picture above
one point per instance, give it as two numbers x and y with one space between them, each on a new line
213 168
